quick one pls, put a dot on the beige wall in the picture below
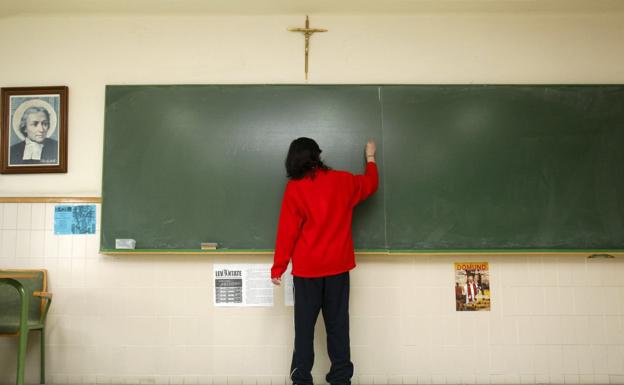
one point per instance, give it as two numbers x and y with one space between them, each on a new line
554 319
86 53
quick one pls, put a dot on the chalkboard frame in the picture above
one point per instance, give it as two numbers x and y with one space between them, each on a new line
388 250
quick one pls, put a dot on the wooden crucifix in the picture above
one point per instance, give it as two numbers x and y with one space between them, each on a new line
307 32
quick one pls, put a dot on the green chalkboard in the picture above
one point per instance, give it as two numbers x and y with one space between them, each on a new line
461 167
191 164
506 167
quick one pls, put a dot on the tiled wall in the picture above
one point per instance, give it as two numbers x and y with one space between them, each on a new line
150 319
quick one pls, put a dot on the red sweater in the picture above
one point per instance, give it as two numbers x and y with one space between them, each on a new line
315 222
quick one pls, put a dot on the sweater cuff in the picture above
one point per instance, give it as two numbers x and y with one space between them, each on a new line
276 272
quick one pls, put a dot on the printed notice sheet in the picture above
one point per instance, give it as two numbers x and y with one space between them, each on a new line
287 282
243 285
74 219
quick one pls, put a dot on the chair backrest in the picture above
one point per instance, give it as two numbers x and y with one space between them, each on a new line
33 281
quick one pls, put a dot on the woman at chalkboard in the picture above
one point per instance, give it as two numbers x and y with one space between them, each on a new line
314 231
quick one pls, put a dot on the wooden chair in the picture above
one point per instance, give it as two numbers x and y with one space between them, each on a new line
20 313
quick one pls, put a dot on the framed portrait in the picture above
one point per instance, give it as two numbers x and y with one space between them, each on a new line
34 130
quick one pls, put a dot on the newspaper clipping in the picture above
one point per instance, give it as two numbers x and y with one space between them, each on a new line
243 285
289 287
472 286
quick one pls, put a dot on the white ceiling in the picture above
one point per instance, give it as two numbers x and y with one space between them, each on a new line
15 7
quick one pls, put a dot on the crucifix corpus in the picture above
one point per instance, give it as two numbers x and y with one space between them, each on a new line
307 32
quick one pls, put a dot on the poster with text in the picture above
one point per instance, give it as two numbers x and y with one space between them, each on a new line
289 287
472 286
74 219
243 285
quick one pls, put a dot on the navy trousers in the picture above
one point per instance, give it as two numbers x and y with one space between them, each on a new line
331 295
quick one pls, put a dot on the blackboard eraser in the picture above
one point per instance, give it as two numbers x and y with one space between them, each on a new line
125 244
209 245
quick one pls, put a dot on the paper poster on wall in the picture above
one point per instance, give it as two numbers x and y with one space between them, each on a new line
243 285
74 219
472 286
289 285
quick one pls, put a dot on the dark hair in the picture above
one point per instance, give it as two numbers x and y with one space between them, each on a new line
304 156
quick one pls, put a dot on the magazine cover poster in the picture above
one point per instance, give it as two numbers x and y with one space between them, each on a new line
472 286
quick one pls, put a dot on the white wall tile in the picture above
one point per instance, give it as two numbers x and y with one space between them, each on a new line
599 356
91 273
515 272
414 330
552 303
59 379
93 245
184 330
601 379
567 300
8 245
23 246
98 302
544 325
546 329
444 330
530 300
9 220
610 271
587 379
49 216
227 360
549 265
571 379
575 330
526 331
595 270
615 359
616 379
63 277
555 359
503 330
612 299
65 243
141 302
77 273
597 330
585 360
570 359
147 331
37 243
535 270
423 379
588 300
79 246
542 379
51 245
24 216
572 271
540 355
438 378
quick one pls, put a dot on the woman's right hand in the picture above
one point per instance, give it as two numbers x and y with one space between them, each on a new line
371 148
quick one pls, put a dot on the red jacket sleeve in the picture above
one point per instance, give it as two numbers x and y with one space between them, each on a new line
365 185
288 228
